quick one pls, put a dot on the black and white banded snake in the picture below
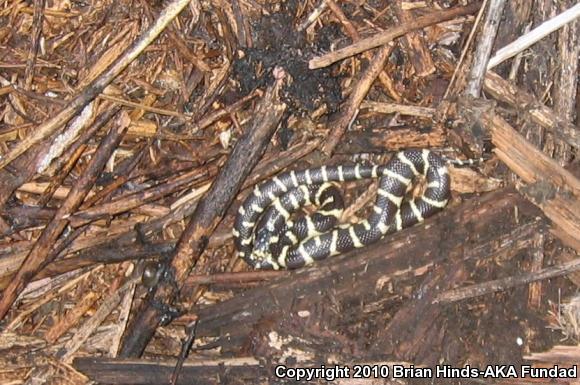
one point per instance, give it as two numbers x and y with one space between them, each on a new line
267 238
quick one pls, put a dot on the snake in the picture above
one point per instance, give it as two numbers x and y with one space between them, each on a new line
266 236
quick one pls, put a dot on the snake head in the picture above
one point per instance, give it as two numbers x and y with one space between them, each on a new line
261 253
262 241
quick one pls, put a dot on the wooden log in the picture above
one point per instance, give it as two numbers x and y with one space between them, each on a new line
415 331
506 92
500 222
554 189
208 213
151 372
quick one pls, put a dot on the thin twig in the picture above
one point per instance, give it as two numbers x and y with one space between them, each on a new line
483 49
96 86
356 97
37 20
534 35
39 255
505 283
388 36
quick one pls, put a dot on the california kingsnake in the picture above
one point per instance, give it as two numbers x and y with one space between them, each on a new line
266 237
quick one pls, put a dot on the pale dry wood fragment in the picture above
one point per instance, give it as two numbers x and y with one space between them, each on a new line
98 85
84 332
391 34
71 317
507 92
403 109
542 173
534 35
484 46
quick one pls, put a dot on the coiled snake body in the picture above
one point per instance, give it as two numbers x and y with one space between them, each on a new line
266 237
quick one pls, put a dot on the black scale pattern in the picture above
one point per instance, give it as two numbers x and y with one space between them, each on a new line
390 213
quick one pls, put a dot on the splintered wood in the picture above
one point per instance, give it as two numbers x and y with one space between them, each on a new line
130 133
